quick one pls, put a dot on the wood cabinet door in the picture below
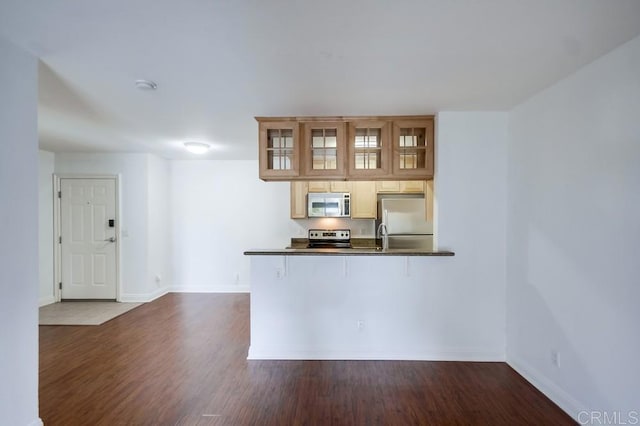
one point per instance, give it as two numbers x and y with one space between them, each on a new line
363 200
319 186
400 186
329 186
324 150
298 200
368 149
429 200
388 186
411 186
413 147
279 150
340 186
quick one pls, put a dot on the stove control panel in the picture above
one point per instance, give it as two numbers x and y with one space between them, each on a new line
329 234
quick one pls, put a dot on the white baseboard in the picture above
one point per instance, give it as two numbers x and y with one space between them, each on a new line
37 422
208 289
562 399
436 355
144 298
46 301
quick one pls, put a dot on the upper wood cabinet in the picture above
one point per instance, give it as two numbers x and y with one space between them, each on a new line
324 150
413 148
400 186
329 186
340 186
412 186
429 199
369 149
363 200
279 143
388 186
298 203
346 148
319 186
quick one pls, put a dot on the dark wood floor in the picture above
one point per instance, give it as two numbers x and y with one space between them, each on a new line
181 360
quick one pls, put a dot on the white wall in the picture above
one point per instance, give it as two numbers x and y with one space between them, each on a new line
19 243
45 228
159 246
221 209
133 169
470 198
574 236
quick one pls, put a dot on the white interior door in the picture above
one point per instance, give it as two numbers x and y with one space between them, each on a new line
88 239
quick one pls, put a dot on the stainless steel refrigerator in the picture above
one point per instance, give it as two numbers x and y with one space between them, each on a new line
406 224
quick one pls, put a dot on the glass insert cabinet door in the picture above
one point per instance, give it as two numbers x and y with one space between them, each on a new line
324 149
413 148
369 143
367 149
279 147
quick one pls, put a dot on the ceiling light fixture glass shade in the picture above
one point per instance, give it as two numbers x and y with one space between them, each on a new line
197 147
146 85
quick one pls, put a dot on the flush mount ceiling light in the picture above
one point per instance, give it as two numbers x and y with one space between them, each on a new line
197 147
146 85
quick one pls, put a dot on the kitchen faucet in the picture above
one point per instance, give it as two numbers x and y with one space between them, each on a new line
382 233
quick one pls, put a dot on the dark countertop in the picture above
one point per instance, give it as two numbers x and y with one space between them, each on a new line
362 251
359 247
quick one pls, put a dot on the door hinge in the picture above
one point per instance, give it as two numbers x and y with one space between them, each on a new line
60 286
59 240
59 194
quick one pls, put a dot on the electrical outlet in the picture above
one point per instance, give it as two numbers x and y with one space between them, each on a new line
279 273
360 325
237 279
555 358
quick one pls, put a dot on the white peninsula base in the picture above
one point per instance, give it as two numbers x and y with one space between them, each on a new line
370 307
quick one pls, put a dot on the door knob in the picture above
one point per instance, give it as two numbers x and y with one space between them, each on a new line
111 240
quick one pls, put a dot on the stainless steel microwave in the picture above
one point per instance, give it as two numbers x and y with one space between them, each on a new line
329 204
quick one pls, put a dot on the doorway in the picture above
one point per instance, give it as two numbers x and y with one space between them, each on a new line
87 249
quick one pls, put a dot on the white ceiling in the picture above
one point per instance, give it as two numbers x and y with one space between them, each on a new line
220 63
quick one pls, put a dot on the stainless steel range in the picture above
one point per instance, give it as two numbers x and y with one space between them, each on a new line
329 238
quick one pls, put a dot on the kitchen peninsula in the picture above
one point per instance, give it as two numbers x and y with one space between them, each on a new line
359 304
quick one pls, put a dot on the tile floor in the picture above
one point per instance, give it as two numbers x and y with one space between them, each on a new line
82 313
